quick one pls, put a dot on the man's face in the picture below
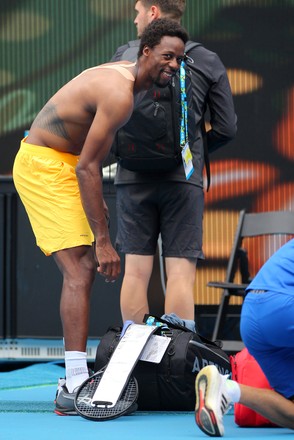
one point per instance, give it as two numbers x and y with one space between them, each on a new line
164 59
143 18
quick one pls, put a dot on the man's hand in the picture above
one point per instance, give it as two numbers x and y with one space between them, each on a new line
108 262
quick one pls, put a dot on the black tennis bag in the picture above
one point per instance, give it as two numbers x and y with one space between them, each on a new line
169 385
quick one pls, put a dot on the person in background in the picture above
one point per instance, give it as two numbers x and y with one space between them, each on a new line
267 330
58 175
149 204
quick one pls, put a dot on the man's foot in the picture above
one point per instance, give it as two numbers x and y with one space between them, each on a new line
64 401
212 401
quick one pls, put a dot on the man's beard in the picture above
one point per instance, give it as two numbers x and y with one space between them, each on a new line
158 82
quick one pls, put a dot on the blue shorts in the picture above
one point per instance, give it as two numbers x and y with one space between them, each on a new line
171 208
267 330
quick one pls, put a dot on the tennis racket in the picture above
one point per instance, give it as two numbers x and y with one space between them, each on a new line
99 411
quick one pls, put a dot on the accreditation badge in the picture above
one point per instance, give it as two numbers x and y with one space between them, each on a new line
187 161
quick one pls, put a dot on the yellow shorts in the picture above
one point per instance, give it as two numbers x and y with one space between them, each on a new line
46 182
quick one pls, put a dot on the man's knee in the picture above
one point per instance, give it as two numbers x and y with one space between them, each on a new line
181 268
76 263
138 267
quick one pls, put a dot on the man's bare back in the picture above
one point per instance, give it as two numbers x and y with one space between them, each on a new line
63 123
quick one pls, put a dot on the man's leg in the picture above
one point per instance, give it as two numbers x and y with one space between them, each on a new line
78 268
133 296
181 274
181 233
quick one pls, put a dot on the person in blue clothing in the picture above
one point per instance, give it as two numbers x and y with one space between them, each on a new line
267 330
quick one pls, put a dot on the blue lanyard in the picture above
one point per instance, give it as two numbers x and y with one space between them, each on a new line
184 118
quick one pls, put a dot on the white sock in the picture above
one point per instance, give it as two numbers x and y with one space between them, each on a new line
76 369
233 390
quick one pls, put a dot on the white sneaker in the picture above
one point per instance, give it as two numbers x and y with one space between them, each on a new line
212 401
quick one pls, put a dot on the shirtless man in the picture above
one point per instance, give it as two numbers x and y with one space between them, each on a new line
58 175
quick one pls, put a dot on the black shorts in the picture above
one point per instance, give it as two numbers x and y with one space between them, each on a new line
173 209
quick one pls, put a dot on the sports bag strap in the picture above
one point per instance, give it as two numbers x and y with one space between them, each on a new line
190 45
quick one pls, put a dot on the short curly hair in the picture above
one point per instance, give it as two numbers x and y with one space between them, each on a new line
173 9
158 29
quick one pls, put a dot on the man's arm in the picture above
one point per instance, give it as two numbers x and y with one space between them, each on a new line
211 84
269 404
223 118
110 116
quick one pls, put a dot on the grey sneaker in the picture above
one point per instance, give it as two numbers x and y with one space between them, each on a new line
212 401
64 401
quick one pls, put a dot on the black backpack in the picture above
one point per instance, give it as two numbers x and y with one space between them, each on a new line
150 141
169 385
